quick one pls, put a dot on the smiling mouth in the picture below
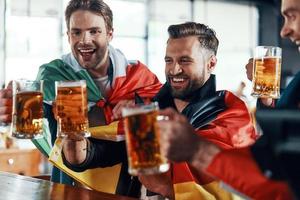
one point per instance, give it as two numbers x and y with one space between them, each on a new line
178 82
86 53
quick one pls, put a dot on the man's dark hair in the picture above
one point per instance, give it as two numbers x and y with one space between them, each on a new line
96 6
206 36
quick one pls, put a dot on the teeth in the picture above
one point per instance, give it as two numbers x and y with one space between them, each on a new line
177 79
86 50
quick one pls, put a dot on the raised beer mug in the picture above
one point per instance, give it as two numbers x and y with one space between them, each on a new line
266 72
27 115
71 109
142 140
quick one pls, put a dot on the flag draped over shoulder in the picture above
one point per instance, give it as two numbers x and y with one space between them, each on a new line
230 128
128 79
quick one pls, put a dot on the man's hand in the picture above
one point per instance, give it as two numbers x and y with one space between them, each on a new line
249 69
6 104
180 142
117 110
75 150
159 183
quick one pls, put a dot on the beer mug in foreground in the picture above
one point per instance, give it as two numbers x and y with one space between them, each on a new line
27 116
142 140
266 72
71 108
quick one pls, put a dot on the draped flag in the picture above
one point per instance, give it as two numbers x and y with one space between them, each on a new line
230 128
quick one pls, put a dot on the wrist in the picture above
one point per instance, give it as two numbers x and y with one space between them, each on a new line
206 151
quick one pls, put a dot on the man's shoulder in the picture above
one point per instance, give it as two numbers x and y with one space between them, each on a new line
54 63
231 100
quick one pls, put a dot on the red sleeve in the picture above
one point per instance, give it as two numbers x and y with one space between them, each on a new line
237 168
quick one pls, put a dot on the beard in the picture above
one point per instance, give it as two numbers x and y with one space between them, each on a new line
187 92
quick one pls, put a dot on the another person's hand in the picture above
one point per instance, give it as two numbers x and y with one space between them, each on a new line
6 104
180 142
117 110
159 183
249 69
75 150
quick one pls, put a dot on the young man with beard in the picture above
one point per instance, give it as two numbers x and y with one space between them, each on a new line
218 116
235 167
112 82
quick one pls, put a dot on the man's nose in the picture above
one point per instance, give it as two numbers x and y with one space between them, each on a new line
285 31
176 69
86 37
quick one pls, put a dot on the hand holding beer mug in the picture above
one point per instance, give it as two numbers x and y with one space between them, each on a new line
27 113
71 109
266 72
142 140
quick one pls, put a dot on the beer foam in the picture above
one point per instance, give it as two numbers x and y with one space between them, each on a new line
139 110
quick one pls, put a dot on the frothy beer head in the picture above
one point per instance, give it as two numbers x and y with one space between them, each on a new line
139 109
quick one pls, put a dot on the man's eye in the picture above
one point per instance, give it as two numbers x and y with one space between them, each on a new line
76 33
168 61
93 32
185 61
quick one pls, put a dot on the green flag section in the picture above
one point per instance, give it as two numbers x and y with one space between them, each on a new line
57 70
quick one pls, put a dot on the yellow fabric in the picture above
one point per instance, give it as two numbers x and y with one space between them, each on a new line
100 179
211 191
107 132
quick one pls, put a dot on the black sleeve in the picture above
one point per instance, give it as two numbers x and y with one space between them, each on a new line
48 114
100 153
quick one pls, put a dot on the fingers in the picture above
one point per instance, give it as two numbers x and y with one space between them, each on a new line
5 105
6 118
6 93
117 110
249 69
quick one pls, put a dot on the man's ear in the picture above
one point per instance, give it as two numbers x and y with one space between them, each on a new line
110 35
68 34
212 63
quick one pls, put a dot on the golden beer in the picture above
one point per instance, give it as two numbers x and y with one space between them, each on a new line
266 72
27 109
72 110
142 140
266 80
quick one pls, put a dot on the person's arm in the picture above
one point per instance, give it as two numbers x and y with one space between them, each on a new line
97 153
237 168
80 153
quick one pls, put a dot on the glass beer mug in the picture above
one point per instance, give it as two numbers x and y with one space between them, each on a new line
266 72
71 108
142 140
27 115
